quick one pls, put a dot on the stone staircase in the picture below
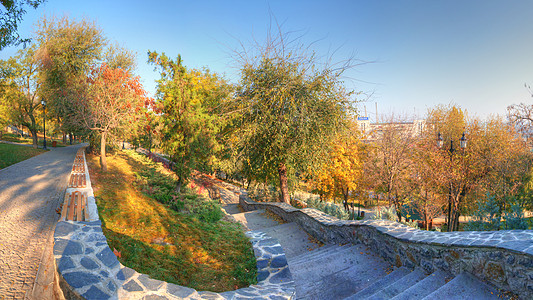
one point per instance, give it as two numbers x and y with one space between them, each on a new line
354 271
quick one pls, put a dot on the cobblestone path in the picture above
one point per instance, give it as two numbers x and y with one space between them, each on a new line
30 193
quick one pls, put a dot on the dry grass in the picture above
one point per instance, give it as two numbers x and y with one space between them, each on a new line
171 246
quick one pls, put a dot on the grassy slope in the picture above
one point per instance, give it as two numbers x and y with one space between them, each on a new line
12 154
205 256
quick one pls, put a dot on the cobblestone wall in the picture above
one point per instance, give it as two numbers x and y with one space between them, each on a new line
503 258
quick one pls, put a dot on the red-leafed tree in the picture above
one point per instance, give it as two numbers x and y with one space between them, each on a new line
109 100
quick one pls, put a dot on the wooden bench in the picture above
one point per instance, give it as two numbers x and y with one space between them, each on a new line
79 160
75 207
77 181
78 168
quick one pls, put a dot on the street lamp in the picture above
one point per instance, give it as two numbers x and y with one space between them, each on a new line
44 123
462 142
440 144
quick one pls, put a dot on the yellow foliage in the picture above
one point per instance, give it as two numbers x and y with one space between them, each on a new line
343 170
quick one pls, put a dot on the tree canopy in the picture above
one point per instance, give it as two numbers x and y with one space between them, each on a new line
290 106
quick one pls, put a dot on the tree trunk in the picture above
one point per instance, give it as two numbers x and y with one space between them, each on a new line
283 183
70 137
34 137
103 161
178 186
64 137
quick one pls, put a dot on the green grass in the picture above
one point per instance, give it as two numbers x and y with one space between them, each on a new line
12 154
176 239
29 141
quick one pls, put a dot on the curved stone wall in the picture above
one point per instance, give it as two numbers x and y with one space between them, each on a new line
503 258
88 269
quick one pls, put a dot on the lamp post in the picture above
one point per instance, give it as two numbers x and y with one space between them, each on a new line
44 123
440 144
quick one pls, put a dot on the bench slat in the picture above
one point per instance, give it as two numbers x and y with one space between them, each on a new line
64 208
85 209
72 206
79 206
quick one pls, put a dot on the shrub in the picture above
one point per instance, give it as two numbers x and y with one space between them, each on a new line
486 217
514 219
388 213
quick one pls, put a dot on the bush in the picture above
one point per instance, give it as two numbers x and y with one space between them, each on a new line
514 219
329 208
206 210
486 217
388 213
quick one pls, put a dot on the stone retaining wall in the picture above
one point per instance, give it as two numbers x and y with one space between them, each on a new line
503 258
88 269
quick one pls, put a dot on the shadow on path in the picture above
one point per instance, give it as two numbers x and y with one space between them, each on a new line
30 193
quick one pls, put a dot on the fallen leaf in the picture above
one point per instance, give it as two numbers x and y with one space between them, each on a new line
117 253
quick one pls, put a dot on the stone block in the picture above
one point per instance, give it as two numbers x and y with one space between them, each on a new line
80 279
88 263
125 273
64 228
494 272
65 263
282 276
132 286
149 283
94 293
278 262
107 257
67 247
180 291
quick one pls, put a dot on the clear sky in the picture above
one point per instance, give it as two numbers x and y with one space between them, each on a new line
477 54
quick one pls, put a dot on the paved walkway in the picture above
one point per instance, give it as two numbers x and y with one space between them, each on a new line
30 193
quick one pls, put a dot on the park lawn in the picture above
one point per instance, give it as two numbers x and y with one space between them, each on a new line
9 137
167 245
11 154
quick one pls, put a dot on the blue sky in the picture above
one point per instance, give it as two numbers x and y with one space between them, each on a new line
477 54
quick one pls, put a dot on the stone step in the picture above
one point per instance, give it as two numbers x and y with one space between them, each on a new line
424 287
464 286
333 263
380 284
317 253
344 283
399 285
232 208
318 258
294 240
255 220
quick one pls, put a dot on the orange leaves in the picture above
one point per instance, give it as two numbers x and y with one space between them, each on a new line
117 253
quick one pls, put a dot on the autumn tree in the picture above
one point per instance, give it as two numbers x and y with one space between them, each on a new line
21 90
10 17
426 193
185 98
390 161
113 99
290 106
341 173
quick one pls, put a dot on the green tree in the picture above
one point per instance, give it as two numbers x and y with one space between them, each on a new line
21 90
10 17
68 49
290 106
190 127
